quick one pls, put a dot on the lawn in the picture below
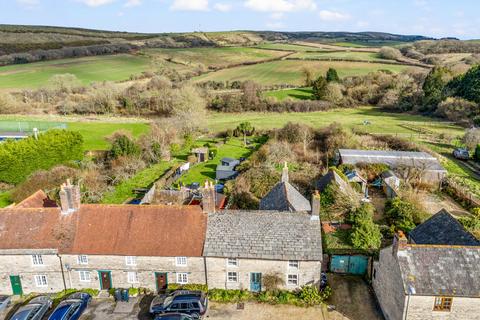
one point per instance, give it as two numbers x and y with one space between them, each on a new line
234 148
215 57
290 71
87 70
347 55
93 133
143 179
5 199
380 121
295 94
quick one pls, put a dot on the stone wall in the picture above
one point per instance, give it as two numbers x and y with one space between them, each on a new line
421 308
388 285
145 267
308 272
22 265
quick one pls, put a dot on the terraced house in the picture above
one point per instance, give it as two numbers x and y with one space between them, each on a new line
47 248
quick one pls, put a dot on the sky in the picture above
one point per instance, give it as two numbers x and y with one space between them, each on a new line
434 18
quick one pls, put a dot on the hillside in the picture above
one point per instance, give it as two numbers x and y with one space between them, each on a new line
18 39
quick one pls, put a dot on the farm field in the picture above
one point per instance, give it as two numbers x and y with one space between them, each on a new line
215 57
295 94
380 121
87 70
290 71
288 46
347 55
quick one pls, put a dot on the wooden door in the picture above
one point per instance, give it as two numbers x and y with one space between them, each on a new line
16 285
161 281
105 280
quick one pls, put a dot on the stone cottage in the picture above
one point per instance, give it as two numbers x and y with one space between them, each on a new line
426 282
99 246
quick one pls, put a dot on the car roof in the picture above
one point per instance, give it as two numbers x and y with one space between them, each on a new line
24 312
172 316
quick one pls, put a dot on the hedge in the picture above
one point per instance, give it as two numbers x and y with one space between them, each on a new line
18 159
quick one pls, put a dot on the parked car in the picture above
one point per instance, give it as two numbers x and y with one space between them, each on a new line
4 302
174 316
193 303
72 307
461 153
35 309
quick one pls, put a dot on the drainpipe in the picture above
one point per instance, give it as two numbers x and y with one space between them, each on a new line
205 270
63 273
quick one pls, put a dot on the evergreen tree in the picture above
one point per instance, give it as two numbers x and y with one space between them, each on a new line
332 75
434 86
319 88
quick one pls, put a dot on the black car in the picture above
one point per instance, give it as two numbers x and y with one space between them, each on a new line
174 316
193 303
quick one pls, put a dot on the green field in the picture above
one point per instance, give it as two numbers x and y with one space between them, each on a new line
288 46
290 71
93 133
380 121
347 55
215 57
87 70
4 199
295 94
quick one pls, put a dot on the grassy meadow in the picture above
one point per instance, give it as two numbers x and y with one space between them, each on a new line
287 46
295 94
87 70
290 71
347 55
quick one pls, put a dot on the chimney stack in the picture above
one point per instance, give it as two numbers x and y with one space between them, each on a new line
400 242
208 198
70 198
285 173
315 206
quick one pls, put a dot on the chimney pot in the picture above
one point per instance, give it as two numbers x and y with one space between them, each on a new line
285 172
400 242
208 198
315 206
70 197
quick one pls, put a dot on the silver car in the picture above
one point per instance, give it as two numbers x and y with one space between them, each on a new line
35 309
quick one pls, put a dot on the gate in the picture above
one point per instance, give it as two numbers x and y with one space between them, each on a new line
349 264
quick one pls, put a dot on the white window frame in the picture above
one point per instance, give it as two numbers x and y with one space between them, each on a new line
82 259
131 261
132 277
181 261
181 276
293 264
232 276
41 280
84 276
234 264
37 260
297 279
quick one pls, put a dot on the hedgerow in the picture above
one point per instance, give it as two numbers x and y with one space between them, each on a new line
18 159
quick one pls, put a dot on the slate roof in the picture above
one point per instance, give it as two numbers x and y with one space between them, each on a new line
134 230
330 177
443 229
440 270
269 235
284 197
393 159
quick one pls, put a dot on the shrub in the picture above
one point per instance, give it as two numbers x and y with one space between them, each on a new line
271 281
365 234
390 53
123 145
332 75
189 286
18 159
400 213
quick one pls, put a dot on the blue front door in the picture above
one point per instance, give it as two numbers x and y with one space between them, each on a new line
255 281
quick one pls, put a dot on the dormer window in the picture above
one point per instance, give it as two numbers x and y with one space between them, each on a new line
131 261
181 261
82 259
